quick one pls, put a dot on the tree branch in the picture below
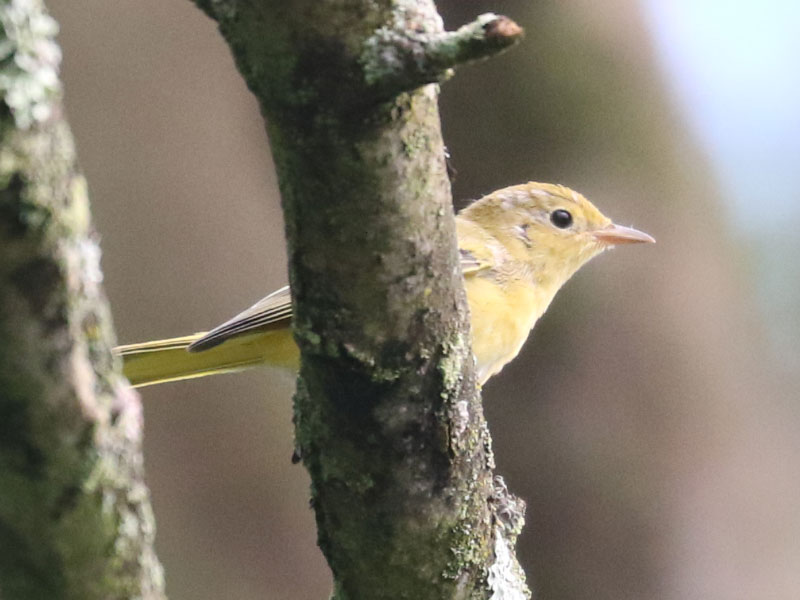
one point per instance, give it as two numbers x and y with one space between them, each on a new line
388 420
399 61
75 518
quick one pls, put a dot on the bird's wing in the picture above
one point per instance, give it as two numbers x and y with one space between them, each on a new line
269 313
473 248
275 310
470 263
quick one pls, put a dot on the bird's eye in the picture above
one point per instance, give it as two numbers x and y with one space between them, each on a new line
561 218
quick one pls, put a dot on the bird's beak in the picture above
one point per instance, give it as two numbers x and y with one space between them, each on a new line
617 234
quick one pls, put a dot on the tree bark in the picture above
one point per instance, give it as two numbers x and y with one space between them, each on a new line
388 417
75 517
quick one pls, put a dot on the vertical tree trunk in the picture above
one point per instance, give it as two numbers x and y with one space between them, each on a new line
75 518
389 422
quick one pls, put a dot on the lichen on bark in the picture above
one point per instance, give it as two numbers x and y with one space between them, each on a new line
388 417
75 518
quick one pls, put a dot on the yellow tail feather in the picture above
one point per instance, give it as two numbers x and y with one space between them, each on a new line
149 363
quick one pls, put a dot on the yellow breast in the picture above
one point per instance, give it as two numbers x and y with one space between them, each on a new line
502 316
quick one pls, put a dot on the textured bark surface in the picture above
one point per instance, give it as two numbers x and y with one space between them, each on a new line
75 517
389 422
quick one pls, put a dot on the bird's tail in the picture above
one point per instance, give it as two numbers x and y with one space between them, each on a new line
160 361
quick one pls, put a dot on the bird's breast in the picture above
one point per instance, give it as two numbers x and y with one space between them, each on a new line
502 315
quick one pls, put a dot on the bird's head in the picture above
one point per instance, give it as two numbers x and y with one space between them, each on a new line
552 228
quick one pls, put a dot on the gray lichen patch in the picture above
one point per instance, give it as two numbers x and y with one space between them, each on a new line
29 62
75 519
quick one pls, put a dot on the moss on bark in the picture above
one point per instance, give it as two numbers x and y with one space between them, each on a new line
75 518
388 417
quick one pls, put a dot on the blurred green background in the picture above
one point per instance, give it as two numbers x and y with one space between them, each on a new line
651 422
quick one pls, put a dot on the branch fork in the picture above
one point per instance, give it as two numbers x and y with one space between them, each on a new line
397 61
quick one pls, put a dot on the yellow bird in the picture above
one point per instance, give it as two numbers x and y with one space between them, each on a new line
517 245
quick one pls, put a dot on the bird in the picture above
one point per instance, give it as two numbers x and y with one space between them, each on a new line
517 247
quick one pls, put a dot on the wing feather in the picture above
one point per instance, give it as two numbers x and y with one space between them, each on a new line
269 313
275 311
474 247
